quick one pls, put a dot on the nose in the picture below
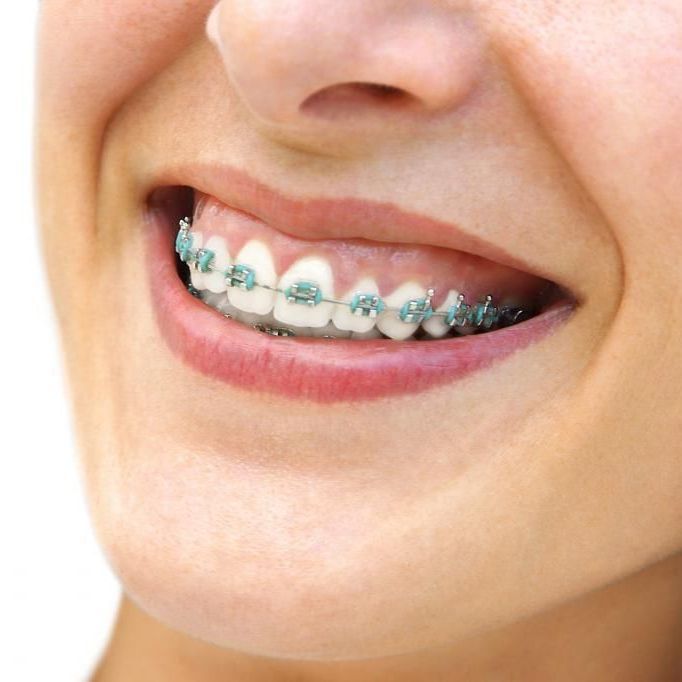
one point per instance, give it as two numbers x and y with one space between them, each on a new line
351 61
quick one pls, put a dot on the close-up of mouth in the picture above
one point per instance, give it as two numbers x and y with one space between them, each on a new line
348 301
245 291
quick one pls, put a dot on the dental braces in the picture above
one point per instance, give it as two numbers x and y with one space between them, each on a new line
480 315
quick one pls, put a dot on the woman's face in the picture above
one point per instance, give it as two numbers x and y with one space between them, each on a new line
384 494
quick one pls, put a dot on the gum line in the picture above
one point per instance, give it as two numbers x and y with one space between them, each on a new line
481 315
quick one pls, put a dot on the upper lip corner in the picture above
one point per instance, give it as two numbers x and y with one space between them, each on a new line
334 217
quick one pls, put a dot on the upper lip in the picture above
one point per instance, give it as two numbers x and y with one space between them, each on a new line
334 218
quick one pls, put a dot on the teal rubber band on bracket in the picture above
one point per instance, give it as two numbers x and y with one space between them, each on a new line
304 293
367 305
416 310
240 276
484 314
183 245
203 258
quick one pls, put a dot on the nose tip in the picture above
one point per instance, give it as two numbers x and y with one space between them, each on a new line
345 62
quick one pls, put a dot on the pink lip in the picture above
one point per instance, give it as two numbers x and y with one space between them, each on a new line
320 370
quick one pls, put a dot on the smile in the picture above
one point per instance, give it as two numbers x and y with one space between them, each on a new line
331 319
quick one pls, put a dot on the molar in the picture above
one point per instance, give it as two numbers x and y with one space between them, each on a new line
310 269
388 322
344 319
215 281
256 255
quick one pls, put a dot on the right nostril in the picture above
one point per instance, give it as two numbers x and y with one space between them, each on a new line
356 95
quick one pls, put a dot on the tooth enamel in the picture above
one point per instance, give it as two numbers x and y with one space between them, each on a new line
215 281
253 318
435 326
343 317
226 309
309 269
196 277
329 330
257 255
212 299
373 333
388 322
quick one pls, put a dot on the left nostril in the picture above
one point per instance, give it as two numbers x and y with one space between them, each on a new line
356 95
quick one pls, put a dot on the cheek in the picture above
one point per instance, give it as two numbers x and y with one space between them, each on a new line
92 58
93 55
605 78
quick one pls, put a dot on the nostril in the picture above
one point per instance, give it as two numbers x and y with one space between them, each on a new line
356 96
379 90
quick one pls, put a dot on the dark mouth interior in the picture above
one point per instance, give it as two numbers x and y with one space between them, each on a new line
178 202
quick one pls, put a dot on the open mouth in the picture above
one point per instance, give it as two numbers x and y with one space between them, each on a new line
353 305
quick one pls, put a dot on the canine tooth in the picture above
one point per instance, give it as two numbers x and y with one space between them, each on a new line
257 255
196 277
343 317
215 281
388 322
435 326
310 269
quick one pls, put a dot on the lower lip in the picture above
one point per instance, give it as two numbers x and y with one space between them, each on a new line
320 370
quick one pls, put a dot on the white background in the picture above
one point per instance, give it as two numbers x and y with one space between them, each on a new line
57 595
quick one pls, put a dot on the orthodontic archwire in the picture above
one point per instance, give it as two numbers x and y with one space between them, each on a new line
482 315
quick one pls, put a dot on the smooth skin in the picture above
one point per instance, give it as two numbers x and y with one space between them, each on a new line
522 524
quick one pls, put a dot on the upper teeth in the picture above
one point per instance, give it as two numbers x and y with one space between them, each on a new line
303 296
243 293
347 317
305 285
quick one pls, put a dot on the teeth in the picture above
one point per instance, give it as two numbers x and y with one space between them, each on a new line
215 281
329 330
300 300
270 321
435 326
214 300
254 318
388 322
225 308
310 269
196 277
373 333
343 318
257 255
